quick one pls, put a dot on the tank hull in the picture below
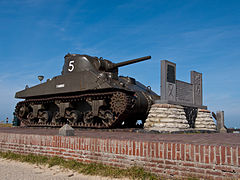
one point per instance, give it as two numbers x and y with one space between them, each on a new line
84 96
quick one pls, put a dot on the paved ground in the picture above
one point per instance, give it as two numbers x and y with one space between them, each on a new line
13 170
197 138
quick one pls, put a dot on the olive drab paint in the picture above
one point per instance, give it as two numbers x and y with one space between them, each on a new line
88 93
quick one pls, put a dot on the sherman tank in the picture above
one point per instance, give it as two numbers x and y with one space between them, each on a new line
88 93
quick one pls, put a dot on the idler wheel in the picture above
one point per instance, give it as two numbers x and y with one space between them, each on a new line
23 111
30 117
118 102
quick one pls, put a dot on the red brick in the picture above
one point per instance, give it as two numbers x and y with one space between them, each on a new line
196 148
170 162
158 161
223 155
188 164
188 158
197 170
197 158
96 144
218 160
161 154
182 151
153 149
178 147
216 173
228 151
192 152
229 159
204 166
130 147
225 169
212 154
201 153
133 148
206 159
123 147
137 149
187 174
234 155
126 146
217 150
178 156
207 149
145 145
141 148
157 150
165 150
238 151
169 155
173 151
226 174
116 147
149 149
150 165
169 147
79 144
187 148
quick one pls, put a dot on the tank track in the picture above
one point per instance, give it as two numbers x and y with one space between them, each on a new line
121 110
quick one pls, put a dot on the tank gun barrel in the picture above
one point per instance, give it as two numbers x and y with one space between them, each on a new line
124 63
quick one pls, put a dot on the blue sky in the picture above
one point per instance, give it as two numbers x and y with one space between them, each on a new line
199 35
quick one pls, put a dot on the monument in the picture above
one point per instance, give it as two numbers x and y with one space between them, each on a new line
180 107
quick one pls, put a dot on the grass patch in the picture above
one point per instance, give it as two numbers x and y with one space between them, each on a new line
5 125
83 168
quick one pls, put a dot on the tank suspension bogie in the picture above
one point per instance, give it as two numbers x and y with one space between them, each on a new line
44 116
96 110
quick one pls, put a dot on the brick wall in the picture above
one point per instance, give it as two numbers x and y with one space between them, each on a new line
168 159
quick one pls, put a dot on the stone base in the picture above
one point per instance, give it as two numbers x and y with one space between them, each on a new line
166 118
204 121
172 118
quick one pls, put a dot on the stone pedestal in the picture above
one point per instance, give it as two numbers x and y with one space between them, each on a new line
172 118
166 118
66 130
220 122
204 121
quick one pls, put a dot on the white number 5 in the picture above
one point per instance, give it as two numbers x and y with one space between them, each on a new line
71 66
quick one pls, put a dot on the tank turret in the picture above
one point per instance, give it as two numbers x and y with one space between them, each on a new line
78 63
88 93
110 66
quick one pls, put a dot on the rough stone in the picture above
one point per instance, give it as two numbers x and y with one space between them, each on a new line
204 121
166 117
66 130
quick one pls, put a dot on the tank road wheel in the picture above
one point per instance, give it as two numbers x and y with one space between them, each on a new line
88 118
56 118
30 118
118 102
44 116
73 116
107 118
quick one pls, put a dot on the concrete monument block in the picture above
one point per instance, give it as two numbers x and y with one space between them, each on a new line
196 81
178 92
168 80
220 122
66 130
